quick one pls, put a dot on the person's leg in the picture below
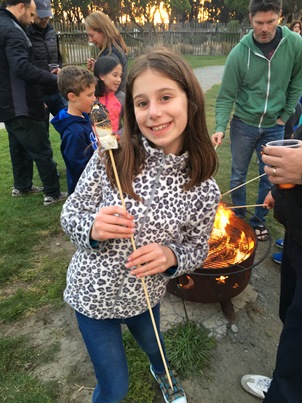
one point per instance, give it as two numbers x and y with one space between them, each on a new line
266 135
142 330
243 141
103 340
22 163
288 281
286 386
33 137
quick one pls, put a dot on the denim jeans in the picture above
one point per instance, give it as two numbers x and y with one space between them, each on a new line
28 142
244 140
286 386
103 340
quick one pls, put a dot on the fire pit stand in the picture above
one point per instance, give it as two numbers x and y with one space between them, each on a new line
220 283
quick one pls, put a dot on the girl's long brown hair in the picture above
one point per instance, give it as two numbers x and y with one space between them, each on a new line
130 156
100 22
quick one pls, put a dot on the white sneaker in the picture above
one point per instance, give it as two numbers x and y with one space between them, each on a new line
33 190
49 200
256 385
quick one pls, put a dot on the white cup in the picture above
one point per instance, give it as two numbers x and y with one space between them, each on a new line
53 66
288 143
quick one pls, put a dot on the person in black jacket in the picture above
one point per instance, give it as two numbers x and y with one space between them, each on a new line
22 105
45 46
284 165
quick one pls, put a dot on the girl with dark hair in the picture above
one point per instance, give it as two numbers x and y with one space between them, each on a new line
165 164
296 26
108 70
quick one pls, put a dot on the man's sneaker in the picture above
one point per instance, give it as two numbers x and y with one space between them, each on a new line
256 385
279 243
175 396
277 257
49 200
34 189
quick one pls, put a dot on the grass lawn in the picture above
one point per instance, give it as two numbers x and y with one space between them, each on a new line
32 274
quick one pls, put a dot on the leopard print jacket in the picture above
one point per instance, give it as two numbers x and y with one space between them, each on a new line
98 284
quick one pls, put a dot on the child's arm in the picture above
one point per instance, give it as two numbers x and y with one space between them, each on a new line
191 252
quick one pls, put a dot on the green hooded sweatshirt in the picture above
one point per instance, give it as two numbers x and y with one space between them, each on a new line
263 90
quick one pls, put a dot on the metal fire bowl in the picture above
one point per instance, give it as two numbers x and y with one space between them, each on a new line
216 284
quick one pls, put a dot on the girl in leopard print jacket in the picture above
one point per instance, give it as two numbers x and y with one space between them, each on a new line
165 163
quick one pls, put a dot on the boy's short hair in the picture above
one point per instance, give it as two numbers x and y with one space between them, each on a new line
265 5
74 79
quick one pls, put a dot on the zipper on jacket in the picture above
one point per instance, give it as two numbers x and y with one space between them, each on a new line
154 188
269 79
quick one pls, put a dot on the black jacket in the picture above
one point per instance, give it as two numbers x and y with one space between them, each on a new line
288 205
45 48
288 210
21 91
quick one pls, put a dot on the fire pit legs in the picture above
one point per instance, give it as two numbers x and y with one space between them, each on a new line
228 310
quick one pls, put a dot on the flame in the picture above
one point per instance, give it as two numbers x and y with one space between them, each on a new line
221 279
222 218
228 246
190 283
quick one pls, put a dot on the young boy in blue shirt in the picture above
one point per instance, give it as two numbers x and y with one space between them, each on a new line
78 141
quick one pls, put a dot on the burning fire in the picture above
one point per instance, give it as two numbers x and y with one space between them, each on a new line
228 245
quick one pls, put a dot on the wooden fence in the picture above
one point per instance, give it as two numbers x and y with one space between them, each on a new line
75 48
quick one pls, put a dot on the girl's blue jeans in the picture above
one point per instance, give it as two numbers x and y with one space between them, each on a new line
103 340
244 140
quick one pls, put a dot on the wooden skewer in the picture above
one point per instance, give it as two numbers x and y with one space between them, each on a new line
251 180
248 205
143 280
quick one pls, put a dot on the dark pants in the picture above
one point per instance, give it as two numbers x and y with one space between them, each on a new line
103 340
286 386
28 142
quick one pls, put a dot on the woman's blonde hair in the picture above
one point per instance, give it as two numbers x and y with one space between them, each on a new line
100 22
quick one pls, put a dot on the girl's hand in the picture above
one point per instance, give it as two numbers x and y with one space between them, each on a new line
151 259
112 222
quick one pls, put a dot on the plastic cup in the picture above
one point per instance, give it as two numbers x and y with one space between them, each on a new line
289 143
53 66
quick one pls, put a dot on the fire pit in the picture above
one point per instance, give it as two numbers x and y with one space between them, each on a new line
227 269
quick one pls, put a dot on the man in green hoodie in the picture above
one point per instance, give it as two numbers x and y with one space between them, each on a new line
263 78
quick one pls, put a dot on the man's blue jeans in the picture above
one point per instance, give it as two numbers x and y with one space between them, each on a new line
244 140
103 340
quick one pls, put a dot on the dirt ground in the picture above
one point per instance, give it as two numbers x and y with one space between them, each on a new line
251 349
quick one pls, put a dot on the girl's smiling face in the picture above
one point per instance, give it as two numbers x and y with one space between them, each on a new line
113 79
161 110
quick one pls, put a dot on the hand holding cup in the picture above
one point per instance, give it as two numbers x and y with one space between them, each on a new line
284 162
54 68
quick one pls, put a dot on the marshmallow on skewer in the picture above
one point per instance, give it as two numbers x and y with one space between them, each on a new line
99 117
